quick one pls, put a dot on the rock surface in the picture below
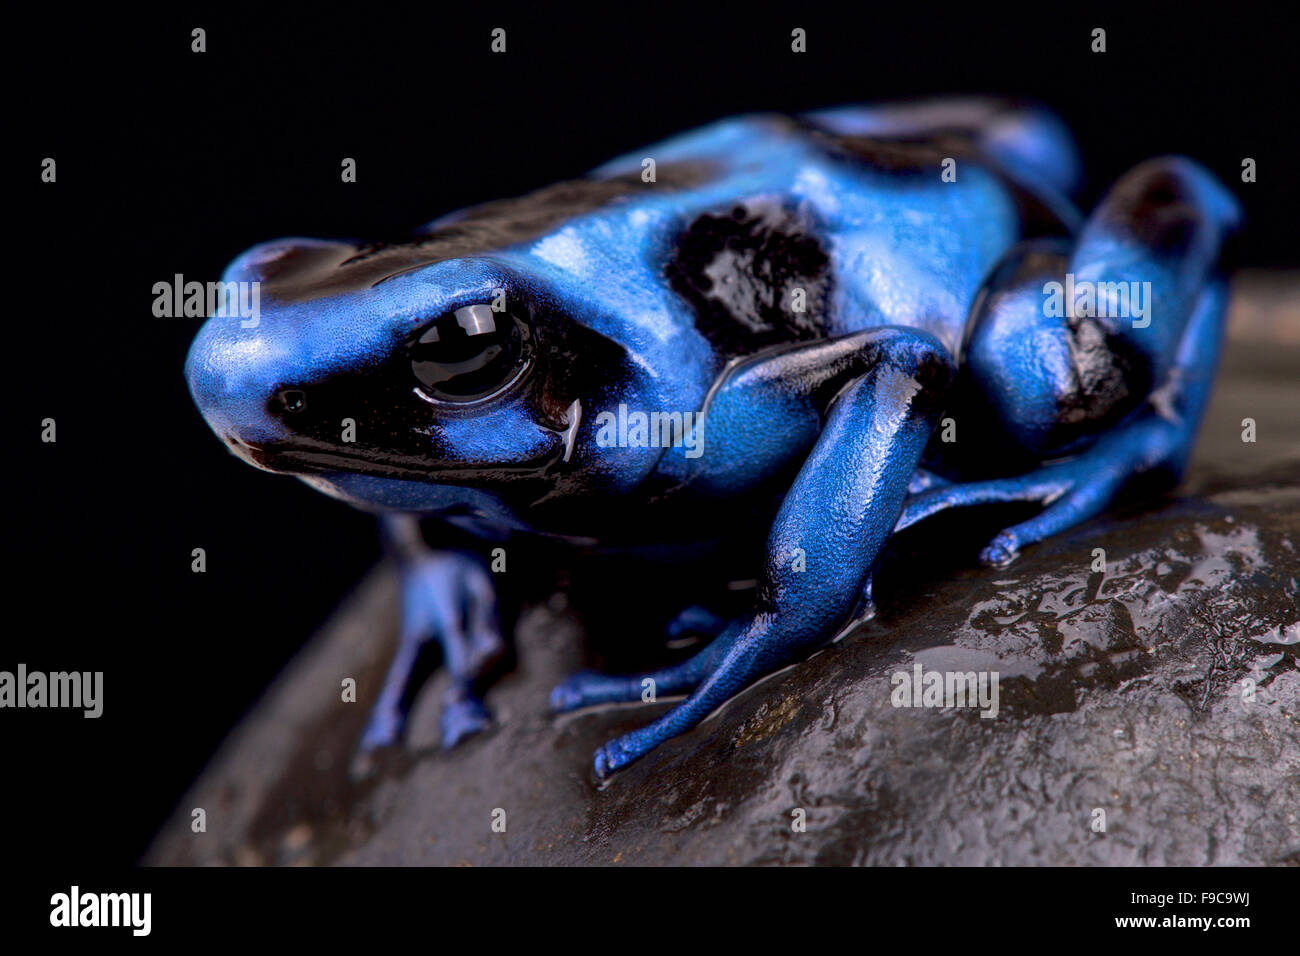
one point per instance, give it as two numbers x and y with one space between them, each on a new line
1162 693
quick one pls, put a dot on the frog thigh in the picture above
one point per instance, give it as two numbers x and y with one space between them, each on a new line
1158 437
1123 394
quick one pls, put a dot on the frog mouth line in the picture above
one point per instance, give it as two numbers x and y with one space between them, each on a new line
295 460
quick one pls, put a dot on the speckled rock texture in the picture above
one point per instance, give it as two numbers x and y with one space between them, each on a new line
1161 695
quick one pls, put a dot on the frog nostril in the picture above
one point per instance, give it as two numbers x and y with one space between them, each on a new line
289 400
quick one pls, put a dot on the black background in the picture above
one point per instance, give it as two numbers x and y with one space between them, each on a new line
173 162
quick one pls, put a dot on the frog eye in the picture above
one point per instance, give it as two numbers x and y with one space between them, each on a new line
469 354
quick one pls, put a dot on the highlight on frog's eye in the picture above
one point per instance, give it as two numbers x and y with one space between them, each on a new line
469 354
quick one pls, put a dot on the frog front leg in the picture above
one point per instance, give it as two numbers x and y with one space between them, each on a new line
445 597
834 520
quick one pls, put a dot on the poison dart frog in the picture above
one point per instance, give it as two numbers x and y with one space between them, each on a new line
774 319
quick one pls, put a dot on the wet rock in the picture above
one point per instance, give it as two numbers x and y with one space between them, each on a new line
1149 681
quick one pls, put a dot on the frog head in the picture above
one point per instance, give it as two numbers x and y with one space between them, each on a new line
406 377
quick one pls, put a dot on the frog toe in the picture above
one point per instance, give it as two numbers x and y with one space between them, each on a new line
612 757
1001 551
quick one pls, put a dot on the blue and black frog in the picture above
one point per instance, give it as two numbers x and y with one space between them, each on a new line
772 319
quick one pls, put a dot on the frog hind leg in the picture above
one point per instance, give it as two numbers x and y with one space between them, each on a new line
1159 437
1162 224
446 597
828 533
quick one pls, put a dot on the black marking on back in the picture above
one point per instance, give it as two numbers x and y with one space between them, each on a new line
739 270
306 272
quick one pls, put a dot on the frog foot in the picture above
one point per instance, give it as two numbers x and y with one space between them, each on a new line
446 599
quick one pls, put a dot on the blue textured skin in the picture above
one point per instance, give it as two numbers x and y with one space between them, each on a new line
931 303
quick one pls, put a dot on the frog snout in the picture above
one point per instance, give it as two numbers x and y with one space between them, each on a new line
236 381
